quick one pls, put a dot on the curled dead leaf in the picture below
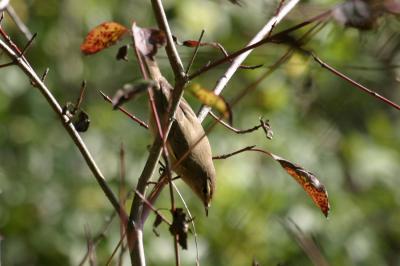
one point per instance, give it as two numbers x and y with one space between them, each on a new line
148 40
307 180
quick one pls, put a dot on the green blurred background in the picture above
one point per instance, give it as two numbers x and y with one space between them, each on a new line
348 139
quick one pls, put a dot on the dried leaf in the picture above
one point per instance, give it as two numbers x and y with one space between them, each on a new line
209 98
148 40
103 36
130 91
156 223
180 227
315 189
358 14
122 53
79 118
81 121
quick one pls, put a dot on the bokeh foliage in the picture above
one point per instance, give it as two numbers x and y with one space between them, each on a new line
348 139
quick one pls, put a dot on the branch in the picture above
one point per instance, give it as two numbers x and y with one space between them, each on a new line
137 254
352 82
31 74
17 20
263 33
173 56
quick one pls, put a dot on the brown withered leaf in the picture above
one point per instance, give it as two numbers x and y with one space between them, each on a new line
210 99
307 180
148 40
180 227
122 53
103 36
156 223
130 91
78 117
364 14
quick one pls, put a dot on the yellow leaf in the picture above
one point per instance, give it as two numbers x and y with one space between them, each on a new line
212 100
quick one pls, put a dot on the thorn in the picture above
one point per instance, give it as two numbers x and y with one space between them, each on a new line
45 74
28 45
7 64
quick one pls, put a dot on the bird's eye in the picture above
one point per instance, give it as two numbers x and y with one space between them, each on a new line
205 190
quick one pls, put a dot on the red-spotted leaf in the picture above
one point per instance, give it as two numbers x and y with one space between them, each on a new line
315 189
209 98
103 36
148 40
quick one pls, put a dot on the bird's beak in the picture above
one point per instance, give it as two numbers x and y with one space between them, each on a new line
206 209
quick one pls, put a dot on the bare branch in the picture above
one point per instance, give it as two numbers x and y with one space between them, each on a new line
123 110
20 24
31 74
264 32
353 82
195 52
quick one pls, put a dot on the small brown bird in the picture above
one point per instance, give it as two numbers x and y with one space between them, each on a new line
197 168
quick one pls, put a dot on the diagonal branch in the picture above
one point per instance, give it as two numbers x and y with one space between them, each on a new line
263 33
37 81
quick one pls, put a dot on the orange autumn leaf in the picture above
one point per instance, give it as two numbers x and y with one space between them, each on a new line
102 36
209 98
307 180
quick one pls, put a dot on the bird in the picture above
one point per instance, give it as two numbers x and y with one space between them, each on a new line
186 139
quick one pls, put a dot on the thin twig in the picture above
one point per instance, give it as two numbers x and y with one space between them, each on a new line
275 37
20 24
195 52
165 220
283 59
225 156
96 240
122 195
353 82
172 53
81 95
306 243
191 218
116 249
263 124
91 249
265 31
28 44
123 110
31 74
44 76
